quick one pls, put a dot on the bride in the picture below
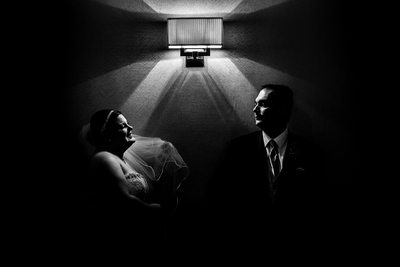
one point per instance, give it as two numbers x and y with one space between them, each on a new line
134 178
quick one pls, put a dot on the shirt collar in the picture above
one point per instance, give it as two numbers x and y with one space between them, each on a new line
280 139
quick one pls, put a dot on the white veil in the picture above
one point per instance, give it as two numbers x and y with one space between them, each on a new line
150 156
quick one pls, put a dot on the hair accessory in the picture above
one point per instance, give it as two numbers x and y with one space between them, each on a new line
106 121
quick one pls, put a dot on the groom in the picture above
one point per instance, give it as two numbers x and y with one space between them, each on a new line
268 181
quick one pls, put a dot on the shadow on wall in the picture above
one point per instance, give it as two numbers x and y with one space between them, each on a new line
300 38
104 38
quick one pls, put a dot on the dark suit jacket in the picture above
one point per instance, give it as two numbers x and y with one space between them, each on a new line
241 201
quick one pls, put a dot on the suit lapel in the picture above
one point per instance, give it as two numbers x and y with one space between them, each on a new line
289 159
263 167
262 154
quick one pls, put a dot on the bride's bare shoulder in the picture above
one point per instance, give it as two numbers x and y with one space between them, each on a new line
105 157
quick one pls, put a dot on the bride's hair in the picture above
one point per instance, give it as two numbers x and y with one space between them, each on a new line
101 126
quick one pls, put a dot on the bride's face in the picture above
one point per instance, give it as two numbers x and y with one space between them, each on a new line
123 133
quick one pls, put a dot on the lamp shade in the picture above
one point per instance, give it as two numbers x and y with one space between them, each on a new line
184 32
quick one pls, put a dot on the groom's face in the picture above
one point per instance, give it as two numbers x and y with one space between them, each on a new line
268 109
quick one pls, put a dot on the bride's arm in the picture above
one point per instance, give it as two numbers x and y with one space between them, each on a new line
112 168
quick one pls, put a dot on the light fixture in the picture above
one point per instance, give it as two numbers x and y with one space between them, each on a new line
195 37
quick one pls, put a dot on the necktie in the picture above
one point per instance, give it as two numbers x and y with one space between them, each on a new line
274 158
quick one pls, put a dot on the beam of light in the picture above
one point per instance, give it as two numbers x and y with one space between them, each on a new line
221 93
165 8
225 82
136 6
251 6
106 91
195 100
227 114
113 89
238 91
193 7
139 106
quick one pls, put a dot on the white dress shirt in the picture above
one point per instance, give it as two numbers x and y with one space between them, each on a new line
281 141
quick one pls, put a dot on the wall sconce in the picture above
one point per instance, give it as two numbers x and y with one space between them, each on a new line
195 37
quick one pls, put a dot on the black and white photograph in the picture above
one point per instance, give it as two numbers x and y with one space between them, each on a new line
187 132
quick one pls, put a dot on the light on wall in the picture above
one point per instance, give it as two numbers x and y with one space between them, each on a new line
195 37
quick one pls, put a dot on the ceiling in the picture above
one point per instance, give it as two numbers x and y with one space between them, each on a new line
161 10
